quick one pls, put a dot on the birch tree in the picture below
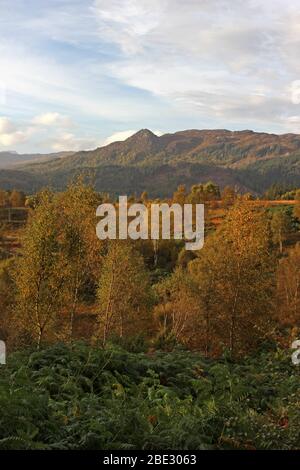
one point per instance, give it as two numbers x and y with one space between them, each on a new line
235 272
124 293
39 273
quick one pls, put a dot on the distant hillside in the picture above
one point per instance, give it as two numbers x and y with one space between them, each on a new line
10 159
249 160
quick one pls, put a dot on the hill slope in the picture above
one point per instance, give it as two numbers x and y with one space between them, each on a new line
10 159
246 159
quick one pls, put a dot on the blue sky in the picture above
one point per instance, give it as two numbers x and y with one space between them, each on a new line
79 74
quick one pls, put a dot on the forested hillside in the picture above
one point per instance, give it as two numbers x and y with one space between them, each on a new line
248 160
11 159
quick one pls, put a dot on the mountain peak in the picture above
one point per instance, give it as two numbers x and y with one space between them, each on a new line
144 161
143 134
143 141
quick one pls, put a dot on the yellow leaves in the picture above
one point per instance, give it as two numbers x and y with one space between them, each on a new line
118 389
235 277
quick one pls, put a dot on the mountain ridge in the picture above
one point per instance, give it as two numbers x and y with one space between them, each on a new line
11 158
249 160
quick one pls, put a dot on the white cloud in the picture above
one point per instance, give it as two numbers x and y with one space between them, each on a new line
212 57
121 135
120 64
14 138
10 134
128 23
52 119
6 126
68 141
79 87
45 131
293 124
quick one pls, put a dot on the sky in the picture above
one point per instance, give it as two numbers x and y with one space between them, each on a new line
78 74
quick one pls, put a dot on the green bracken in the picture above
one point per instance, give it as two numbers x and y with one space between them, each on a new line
83 397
